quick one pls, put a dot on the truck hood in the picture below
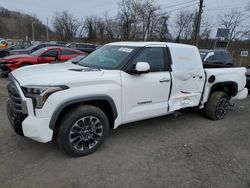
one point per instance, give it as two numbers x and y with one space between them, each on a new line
55 74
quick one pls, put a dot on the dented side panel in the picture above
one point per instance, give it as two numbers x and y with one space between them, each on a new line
188 78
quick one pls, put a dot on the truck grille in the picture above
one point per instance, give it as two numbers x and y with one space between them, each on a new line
15 107
15 100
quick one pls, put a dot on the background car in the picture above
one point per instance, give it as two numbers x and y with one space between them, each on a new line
3 44
44 55
84 47
74 60
59 42
248 77
32 48
19 46
216 58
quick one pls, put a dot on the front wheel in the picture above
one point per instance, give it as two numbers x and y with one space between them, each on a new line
217 105
82 130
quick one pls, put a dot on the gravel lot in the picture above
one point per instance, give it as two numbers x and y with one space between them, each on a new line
183 151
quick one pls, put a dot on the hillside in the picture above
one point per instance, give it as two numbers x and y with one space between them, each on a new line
18 25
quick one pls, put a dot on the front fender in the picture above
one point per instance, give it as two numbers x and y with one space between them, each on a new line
77 100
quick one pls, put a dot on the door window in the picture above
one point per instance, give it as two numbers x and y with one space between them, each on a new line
154 56
68 52
50 53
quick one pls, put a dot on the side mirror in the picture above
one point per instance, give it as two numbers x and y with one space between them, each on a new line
142 67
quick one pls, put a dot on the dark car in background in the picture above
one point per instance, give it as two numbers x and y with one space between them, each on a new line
19 46
248 77
32 48
216 58
84 47
62 43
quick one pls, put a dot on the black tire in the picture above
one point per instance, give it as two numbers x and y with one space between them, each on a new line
76 128
216 107
3 75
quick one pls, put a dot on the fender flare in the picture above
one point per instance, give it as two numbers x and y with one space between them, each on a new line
60 108
224 84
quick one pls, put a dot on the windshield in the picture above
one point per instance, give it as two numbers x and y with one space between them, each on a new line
39 52
31 47
76 59
107 57
203 54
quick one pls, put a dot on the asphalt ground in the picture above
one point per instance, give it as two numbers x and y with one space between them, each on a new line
181 150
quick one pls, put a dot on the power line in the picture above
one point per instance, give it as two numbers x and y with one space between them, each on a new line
178 4
170 11
227 8
181 8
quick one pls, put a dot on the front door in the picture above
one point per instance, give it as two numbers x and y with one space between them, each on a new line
48 56
146 95
188 78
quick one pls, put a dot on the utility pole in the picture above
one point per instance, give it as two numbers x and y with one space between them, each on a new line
47 29
33 32
198 23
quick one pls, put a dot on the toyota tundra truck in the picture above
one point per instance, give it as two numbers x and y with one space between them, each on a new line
121 82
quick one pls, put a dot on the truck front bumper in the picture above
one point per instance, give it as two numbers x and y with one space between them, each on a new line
22 120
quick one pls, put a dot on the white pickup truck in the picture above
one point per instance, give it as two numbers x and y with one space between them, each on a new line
121 82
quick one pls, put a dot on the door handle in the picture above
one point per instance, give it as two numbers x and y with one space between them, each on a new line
200 77
164 80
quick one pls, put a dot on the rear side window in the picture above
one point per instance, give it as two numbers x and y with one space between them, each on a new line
228 58
153 56
38 47
219 56
50 53
68 52
72 46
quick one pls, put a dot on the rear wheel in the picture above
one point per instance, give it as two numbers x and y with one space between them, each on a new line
82 130
217 105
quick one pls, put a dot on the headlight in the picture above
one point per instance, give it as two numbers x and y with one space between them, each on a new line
39 94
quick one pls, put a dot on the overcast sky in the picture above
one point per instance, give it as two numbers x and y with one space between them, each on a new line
81 8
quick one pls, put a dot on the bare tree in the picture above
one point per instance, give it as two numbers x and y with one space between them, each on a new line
184 24
127 17
148 15
206 29
234 21
111 29
65 25
162 30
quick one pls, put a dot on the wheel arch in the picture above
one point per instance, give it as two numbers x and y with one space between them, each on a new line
105 103
229 87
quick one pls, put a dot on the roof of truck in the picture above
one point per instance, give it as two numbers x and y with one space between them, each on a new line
143 44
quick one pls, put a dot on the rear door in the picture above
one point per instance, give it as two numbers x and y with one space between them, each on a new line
67 54
188 78
146 95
